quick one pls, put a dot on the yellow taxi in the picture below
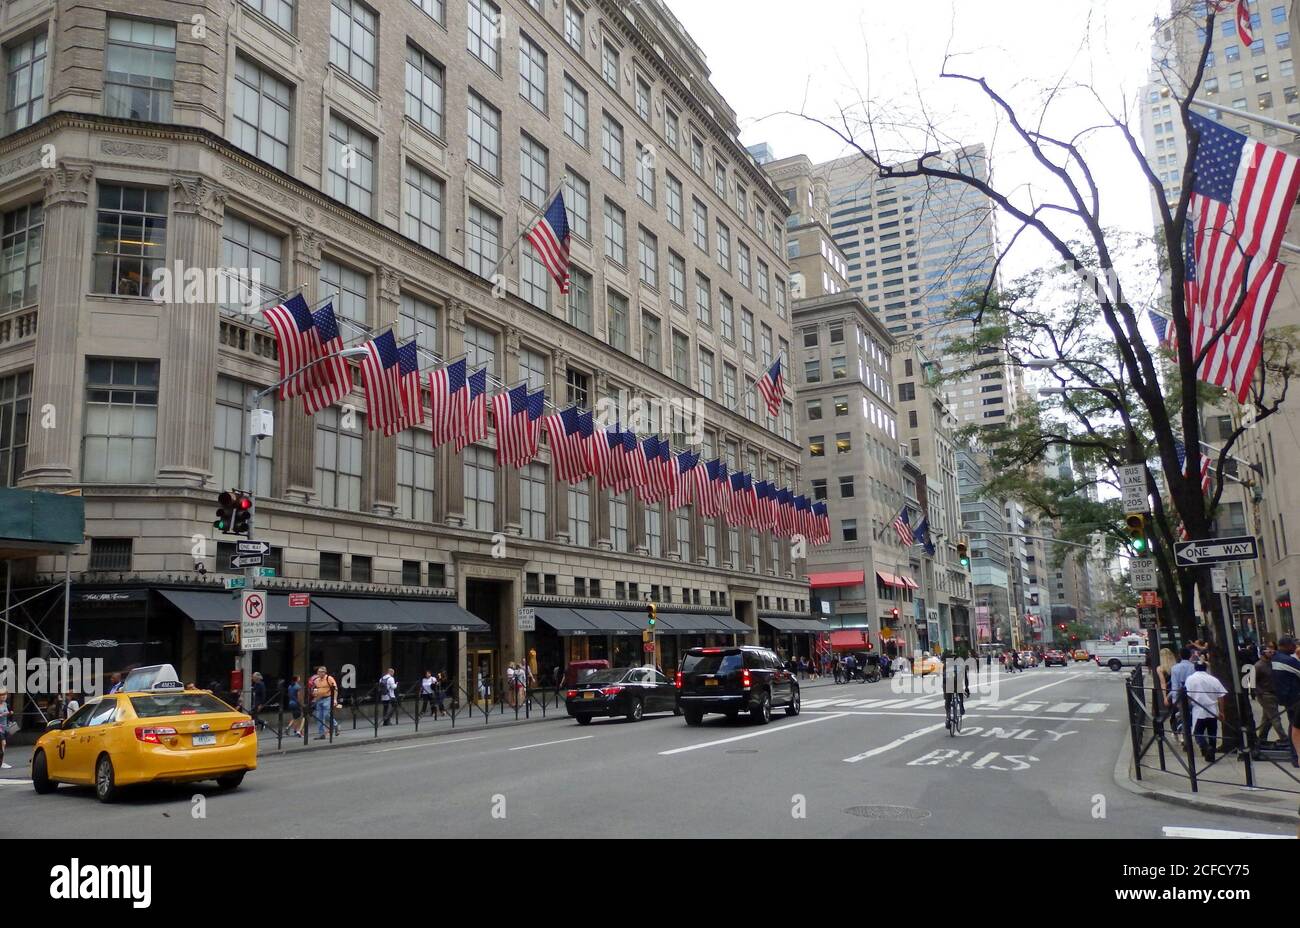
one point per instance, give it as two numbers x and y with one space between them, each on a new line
927 664
1080 654
154 729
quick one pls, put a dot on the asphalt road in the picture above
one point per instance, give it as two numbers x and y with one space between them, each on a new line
1038 762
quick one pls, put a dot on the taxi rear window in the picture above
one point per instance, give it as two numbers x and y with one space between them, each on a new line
152 707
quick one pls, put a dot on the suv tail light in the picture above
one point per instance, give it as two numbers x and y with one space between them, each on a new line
153 735
572 694
677 680
611 690
744 678
246 726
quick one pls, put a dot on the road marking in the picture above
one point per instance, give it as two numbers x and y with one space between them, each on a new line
10 782
1020 696
752 734
1093 708
432 744
1026 707
1178 831
543 744
969 715
897 742
1063 707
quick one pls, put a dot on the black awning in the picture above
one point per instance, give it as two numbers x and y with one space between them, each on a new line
566 622
610 621
450 617
211 609
687 623
793 624
732 625
368 614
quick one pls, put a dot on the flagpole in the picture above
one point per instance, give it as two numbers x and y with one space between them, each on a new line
523 229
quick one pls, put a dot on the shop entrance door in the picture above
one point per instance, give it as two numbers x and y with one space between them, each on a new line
482 675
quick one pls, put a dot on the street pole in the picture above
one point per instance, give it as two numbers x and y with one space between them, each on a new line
250 573
304 695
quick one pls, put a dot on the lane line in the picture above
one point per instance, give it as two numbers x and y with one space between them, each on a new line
1093 708
543 744
752 734
431 744
969 715
1063 707
897 742
1020 696
1179 831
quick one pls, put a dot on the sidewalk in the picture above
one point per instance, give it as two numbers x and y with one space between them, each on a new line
1274 798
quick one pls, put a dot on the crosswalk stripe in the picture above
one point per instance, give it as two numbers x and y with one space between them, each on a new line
1062 707
1177 831
914 702
1029 707
1093 708
889 702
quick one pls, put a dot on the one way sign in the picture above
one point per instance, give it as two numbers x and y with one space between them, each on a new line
1216 551
252 547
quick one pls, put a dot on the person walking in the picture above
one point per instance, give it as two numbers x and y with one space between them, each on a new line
427 685
1205 696
440 688
1286 684
259 699
835 668
293 695
388 695
1162 679
1177 679
323 689
6 716
1266 696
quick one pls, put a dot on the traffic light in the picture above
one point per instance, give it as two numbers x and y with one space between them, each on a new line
651 615
963 555
242 522
1135 526
225 512
894 612
230 635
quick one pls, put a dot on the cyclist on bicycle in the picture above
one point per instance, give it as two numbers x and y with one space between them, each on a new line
956 683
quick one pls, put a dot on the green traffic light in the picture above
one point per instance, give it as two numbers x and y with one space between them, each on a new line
1139 545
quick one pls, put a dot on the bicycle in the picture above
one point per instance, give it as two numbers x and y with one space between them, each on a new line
954 711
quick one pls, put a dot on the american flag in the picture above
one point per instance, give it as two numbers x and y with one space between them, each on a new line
685 483
1181 450
1243 19
701 490
902 525
646 474
1164 331
448 399
721 487
510 414
609 460
823 524
550 239
291 322
1242 193
409 389
784 513
766 495
331 380
570 448
533 425
772 386
380 369
474 427
803 517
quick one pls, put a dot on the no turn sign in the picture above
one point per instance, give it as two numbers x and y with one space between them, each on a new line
252 620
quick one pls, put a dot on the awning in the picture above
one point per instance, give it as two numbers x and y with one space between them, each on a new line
611 622
211 609
850 639
566 622
794 625
909 582
837 578
687 623
419 615
897 580
732 625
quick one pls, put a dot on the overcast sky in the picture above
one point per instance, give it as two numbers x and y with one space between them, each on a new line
767 56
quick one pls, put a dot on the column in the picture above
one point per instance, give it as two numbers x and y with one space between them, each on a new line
52 451
189 365
449 505
381 449
295 438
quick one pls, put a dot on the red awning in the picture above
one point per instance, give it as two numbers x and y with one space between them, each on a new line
850 639
896 580
909 582
837 578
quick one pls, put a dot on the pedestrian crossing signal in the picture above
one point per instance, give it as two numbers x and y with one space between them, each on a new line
230 635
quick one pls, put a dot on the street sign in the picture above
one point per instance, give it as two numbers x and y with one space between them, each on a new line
648 647
1219 579
527 619
1148 598
252 547
299 599
1133 485
235 583
240 561
266 571
1144 573
1216 551
252 620
1147 616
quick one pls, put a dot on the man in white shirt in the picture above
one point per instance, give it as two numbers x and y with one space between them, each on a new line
388 695
1205 697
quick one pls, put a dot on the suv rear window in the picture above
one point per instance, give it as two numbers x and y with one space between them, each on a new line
711 663
152 707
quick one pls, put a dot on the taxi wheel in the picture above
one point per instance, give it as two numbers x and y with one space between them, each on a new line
583 719
230 780
105 781
41 781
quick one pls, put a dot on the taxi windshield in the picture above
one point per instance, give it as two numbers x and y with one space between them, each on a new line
156 706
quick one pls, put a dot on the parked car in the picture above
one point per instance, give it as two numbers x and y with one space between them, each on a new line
1028 659
1055 658
628 691
733 680
578 671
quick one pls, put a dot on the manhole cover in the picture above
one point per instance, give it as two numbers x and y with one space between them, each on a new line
744 751
892 813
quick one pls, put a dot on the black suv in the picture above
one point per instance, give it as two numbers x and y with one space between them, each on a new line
734 680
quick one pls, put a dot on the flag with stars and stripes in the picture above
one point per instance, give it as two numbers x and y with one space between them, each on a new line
410 391
570 447
685 483
448 399
380 373
903 526
772 387
291 323
1181 450
549 237
474 427
329 381
510 416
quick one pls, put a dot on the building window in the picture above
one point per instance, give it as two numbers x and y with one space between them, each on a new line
110 554
729 386
839 368
677 280
651 341
250 247
480 348
20 251
819 489
742 265
763 283
611 148
577 387
350 176
533 160
422 196
131 238
230 440
711 543
615 233
483 41
684 538
577 201
410 573
609 65
484 135
700 225
726 316
849 529
575 111
674 201
331 566
706 373
534 279
425 83
480 489
617 304
846 488
338 461
24 82
817 446
415 476
697 155
279 12
724 245
648 256
362 569
139 66
812 372
580 300
618 521
681 358
580 514
703 300
573 21
532 72
482 240
15 413
747 332
645 175
121 427
843 443
671 127
350 290
261 114
765 343
532 501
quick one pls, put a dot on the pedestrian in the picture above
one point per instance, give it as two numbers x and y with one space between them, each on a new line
439 693
324 690
1205 696
835 668
6 715
428 683
114 683
70 705
259 699
1015 662
1163 671
850 665
1266 696
294 696
1286 683
388 695
1177 677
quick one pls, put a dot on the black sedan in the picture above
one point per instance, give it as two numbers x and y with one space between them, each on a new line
628 691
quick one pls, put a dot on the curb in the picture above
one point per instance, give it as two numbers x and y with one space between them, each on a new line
1124 780
327 745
